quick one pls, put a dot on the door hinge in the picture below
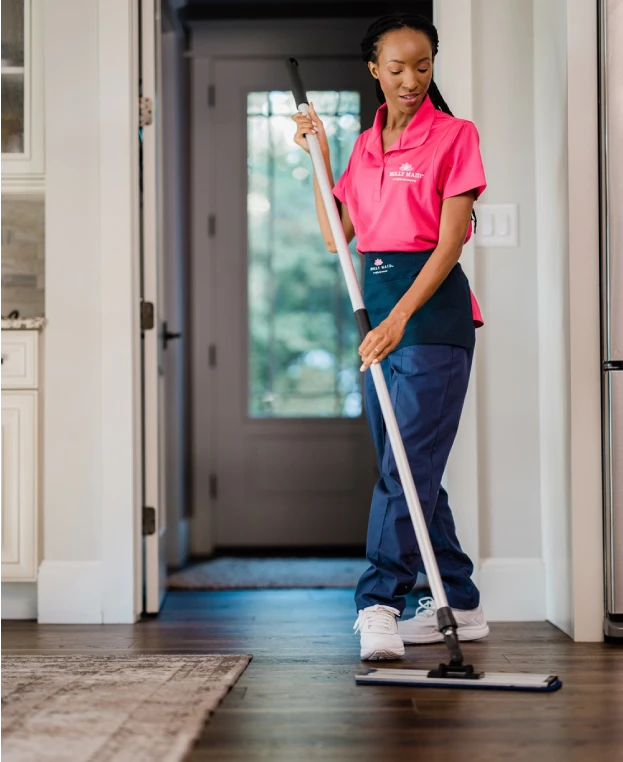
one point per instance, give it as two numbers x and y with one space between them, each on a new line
145 112
149 520
211 225
213 487
147 316
212 356
211 95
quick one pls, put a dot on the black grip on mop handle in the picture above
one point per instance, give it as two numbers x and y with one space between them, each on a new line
363 322
300 96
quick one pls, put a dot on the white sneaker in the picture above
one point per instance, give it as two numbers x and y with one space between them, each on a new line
423 628
379 633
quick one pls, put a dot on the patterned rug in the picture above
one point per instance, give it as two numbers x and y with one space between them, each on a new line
256 573
117 708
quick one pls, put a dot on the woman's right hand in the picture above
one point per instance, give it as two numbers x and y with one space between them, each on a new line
310 124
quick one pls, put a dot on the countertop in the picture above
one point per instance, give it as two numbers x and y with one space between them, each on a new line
22 324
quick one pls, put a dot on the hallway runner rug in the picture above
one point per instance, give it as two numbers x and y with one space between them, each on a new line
230 573
119 708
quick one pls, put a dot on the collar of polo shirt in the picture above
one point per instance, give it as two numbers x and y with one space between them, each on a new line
413 135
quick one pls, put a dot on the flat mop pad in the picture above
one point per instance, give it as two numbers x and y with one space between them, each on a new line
510 681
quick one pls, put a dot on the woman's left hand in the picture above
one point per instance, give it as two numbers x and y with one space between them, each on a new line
381 340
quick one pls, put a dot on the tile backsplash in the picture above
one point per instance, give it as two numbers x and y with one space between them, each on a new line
23 256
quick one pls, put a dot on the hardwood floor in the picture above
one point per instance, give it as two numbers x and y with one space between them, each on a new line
297 701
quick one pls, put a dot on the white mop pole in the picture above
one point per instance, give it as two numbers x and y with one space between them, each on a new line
404 470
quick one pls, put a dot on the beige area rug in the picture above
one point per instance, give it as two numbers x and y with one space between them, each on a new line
110 708
230 573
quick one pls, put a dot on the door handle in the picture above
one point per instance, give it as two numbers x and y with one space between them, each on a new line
167 335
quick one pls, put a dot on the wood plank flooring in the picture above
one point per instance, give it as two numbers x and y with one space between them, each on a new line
297 701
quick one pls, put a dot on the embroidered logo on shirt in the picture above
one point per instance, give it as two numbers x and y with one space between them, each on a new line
405 174
378 262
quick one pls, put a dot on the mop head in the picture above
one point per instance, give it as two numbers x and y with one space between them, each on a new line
505 681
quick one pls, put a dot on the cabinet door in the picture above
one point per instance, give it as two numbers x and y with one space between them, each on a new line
22 96
19 485
20 359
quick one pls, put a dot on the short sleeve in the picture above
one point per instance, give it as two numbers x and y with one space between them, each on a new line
341 189
461 168
341 186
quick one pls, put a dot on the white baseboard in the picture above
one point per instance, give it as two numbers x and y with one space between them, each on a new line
512 589
70 592
19 600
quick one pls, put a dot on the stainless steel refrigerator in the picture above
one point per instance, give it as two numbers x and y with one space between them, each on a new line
611 134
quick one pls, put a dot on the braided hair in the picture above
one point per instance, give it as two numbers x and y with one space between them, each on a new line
391 23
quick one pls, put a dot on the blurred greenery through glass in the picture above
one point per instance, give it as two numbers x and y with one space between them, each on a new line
302 336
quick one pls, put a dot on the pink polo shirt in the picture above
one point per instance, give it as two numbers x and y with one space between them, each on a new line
394 198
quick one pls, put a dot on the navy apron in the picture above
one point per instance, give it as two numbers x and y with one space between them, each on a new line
446 318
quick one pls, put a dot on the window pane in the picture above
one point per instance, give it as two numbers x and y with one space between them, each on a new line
257 103
302 337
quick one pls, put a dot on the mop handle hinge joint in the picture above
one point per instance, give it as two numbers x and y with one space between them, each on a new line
457 671
445 618
448 628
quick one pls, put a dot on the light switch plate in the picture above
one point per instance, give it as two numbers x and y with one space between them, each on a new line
498 225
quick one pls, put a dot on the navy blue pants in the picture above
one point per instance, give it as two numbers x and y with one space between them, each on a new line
427 385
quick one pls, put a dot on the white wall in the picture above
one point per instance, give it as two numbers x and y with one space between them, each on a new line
537 423
484 70
508 344
92 472
72 479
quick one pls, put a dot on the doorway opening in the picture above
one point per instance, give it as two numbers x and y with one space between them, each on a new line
283 465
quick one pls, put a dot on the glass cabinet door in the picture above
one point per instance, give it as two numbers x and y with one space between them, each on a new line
14 79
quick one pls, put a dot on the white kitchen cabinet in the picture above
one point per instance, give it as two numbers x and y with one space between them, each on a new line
23 165
21 452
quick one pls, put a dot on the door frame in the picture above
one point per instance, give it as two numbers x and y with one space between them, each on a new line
230 39
153 273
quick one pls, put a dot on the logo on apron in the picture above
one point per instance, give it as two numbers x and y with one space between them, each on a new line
378 268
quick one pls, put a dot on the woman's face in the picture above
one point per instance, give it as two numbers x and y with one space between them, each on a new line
404 68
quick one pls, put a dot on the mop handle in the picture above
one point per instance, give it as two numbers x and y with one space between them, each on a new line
363 323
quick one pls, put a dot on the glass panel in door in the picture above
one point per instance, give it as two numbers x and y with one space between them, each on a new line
302 337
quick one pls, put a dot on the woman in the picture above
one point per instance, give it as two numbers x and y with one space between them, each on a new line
408 194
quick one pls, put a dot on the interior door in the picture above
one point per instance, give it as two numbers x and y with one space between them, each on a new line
294 460
152 295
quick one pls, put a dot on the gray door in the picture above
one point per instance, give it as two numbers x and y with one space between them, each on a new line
294 460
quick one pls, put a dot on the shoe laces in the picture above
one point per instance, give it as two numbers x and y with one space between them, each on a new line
380 617
427 607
